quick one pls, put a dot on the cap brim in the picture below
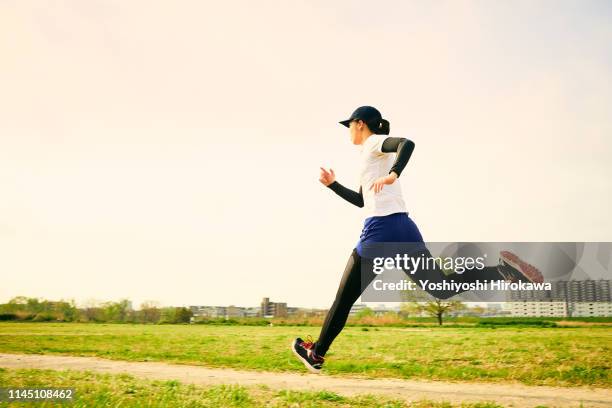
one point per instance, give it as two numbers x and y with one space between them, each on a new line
346 123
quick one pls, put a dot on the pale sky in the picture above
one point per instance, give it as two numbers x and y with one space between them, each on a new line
169 151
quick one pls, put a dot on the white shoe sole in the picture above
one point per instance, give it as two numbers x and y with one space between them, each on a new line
308 366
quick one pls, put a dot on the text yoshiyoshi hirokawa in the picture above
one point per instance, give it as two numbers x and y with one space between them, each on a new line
406 284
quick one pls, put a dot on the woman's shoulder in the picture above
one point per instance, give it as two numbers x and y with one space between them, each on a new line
373 144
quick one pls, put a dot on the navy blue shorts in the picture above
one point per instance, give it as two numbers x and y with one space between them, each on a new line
397 227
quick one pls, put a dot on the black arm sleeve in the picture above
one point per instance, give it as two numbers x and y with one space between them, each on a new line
403 147
349 195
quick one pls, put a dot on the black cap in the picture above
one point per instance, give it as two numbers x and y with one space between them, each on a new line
368 114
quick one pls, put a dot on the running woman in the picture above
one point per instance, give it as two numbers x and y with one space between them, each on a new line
383 158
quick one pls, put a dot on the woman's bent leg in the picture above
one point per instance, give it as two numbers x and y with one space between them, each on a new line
349 291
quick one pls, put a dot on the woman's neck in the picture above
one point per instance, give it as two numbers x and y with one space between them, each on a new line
365 137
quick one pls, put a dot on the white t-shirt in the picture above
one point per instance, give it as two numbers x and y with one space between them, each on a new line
376 164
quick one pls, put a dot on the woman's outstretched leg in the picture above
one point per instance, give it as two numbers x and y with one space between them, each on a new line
351 287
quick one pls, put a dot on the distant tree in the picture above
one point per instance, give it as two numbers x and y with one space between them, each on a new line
115 311
93 314
365 312
150 312
41 309
16 304
132 316
67 310
34 305
19 300
409 309
91 311
438 308
183 315
167 315
418 301
175 315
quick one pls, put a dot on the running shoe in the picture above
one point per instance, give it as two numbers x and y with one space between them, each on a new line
304 350
514 269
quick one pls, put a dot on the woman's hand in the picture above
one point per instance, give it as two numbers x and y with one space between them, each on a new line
327 177
378 184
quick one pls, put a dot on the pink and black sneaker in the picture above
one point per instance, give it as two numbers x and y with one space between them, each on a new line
514 269
304 350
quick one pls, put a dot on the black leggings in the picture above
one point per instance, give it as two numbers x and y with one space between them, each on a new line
352 286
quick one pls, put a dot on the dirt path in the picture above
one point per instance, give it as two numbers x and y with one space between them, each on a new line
511 395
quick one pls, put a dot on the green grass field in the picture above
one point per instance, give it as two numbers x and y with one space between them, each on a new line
534 356
106 390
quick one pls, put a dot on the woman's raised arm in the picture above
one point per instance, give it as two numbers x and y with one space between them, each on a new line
403 147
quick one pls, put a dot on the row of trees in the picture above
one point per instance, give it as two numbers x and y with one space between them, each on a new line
34 309
434 308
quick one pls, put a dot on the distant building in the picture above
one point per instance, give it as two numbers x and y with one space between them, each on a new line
588 309
381 309
306 312
495 309
378 310
357 307
224 312
273 309
587 290
579 298
538 309
209 311
252 311
234 311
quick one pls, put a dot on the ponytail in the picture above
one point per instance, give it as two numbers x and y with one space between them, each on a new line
384 127
380 127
